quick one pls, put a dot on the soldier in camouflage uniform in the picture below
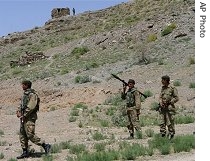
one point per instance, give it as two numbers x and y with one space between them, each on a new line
133 106
168 97
27 112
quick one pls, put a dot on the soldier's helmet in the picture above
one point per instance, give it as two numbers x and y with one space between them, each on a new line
131 81
28 83
166 77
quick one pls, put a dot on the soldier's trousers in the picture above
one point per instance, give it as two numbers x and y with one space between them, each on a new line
167 119
133 120
27 132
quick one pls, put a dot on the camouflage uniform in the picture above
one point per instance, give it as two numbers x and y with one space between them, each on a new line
27 128
133 104
168 96
27 112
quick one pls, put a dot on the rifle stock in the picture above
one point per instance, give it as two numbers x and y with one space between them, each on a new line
127 84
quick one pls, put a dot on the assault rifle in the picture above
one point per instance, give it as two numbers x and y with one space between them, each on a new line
126 84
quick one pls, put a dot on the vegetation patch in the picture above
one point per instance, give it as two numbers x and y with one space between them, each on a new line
168 29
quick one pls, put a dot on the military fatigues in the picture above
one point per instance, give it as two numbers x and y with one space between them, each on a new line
133 104
168 96
27 128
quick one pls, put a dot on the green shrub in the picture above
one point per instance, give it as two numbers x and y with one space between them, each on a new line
115 100
56 148
177 83
168 29
1 132
74 112
192 60
151 37
80 106
12 159
82 79
77 149
98 136
77 51
139 135
47 158
184 143
154 106
104 123
184 119
111 111
72 119
149 132
1 155
148 93
192 85
100 147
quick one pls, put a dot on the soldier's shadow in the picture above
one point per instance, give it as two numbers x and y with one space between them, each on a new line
37 154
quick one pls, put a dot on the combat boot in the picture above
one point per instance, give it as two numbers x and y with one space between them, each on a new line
46 148
25 154
171 136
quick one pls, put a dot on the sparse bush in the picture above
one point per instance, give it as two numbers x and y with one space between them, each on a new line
161 143
82 79
148 93
192 85
77 51
72 119
104 123
184 143
99 147
184 119
151 37
65 145
80 106
3 143
161 61
98 136
115 100
149 132
77 149
1 132
111 111
80 124
47 158
192 60
1 156
12 159
154 106
74 112
177 83
168 29
16 71
139 135
56 148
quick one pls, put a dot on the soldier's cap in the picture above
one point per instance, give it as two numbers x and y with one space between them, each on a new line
166 77
27 83
131 81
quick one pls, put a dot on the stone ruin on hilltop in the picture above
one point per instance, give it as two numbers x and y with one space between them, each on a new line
59 12
28 58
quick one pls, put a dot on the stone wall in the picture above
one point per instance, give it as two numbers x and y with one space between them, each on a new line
59 12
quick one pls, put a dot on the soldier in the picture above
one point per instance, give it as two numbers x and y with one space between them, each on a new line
133 105
168 97
73 10
27 112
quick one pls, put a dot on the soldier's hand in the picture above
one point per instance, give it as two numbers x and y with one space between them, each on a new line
18 113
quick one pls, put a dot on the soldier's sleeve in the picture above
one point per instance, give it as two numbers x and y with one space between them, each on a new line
137 100
31 104
175 96
123 95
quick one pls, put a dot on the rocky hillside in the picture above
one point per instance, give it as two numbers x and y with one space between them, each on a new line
70 60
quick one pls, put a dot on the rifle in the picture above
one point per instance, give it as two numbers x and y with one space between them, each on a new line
126 84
